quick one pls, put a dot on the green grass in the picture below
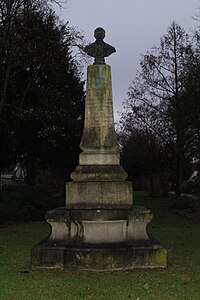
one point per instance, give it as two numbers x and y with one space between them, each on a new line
180 280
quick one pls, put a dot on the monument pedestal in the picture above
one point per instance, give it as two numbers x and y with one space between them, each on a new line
99 228
99 240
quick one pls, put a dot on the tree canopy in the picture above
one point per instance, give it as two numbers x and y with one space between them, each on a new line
41 92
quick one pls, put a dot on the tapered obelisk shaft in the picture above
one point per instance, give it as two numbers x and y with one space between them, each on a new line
99 142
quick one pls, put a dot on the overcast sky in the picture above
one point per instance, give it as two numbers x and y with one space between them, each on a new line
132 27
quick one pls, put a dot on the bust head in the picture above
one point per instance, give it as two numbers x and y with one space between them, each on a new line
99 49
99 33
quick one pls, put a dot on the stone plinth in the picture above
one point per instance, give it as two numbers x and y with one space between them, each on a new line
99 240
99 173
105 257
97 194
102 226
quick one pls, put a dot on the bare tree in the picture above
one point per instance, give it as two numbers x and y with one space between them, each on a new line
155 98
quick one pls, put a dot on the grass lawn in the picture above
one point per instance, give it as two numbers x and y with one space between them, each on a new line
181 280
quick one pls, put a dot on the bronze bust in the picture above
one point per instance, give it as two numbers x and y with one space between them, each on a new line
99 49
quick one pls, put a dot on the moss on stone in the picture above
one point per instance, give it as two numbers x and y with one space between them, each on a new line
100 76
159 258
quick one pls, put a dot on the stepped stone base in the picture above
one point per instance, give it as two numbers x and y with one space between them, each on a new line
98 240
105 257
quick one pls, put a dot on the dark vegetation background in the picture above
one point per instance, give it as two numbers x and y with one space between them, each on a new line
42 107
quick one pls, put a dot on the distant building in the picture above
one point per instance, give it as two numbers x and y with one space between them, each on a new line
16 176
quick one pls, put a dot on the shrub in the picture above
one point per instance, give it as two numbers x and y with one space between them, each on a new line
180 203
19 204
188 187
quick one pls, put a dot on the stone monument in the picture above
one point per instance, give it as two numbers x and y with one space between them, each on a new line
99 228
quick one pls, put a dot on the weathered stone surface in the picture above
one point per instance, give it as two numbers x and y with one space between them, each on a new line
99 240
45 255
99 135
98 226
99 194
125 256
99 158
116 257
99 173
